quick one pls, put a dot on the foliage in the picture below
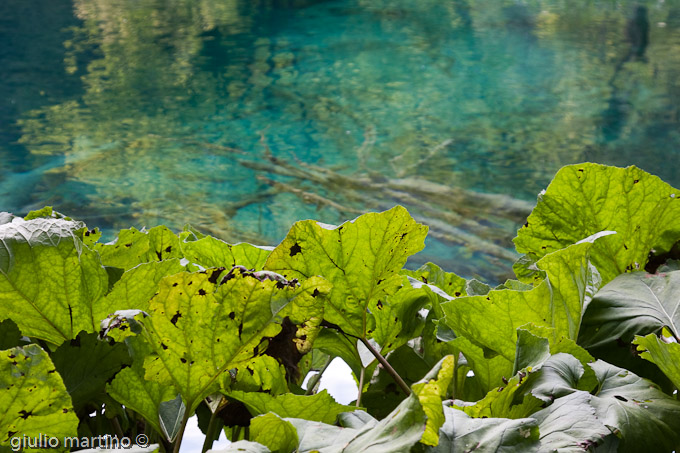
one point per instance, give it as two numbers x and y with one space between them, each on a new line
136 336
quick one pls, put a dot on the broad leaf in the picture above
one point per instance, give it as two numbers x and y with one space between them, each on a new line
276 434
488 371
362 258
462 434
320 407
10 335
260 374
397 317
430 273
133 247
33 398
633 304
558 302
211 252
86 364
645 418
199 329
170 415
584 199
431 390
570 425
130 388
138 285
399 431
664 354
51 285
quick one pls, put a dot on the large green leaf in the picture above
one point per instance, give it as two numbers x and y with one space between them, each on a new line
320 407
584 199
570 425
430 273
138 285
431 390
397 432
645 418
211 252
397 317
130 388
558 302
362 258
51 285
488 371
633 304
200 328
86 364
133 247
666 355
33 398
277 434
462 434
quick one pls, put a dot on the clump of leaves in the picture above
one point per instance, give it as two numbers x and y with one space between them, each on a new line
133 337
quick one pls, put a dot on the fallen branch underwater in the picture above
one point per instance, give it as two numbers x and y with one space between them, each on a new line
481 222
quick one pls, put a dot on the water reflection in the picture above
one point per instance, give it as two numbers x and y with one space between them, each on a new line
244 116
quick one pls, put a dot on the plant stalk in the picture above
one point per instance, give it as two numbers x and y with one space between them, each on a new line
400 382
315 379
361 386
178 441
210 433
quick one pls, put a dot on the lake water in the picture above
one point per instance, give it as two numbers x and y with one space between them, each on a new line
241 116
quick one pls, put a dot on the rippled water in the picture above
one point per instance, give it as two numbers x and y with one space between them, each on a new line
243 116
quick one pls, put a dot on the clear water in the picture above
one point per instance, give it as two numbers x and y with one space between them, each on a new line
140 112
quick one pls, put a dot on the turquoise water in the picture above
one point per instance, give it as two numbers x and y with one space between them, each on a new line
241 117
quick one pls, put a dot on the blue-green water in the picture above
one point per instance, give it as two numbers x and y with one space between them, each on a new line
140 112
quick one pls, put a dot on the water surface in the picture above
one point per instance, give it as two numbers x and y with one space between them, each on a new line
241 117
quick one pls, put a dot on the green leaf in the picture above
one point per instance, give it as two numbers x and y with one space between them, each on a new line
260 374
138 285
488 371
570 425
10 335
336 344
430 273
558 302
130 388
133 247
584 199
51 285
397 319
86 364
171 415
665 355
33 398
397 432
632 304
362 258
462 434
277 434
320 407
199 329
641 415
211 252
431 390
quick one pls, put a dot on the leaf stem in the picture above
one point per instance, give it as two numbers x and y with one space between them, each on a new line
314 380
361 386
387 367
180 435
210 432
